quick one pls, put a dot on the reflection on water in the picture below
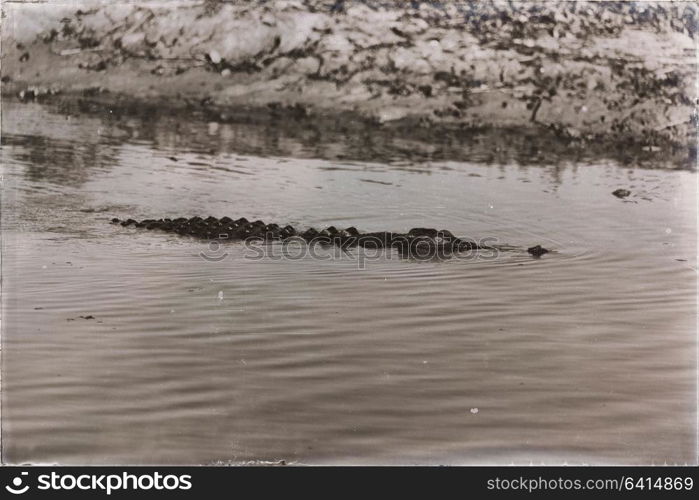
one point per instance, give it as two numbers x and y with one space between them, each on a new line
125 346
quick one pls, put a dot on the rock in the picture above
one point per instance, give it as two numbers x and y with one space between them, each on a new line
133 41
307 65
621 193
214 56
279 65
336 43
391 114
426 90
405 59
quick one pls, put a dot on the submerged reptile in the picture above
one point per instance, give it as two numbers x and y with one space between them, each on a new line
415 241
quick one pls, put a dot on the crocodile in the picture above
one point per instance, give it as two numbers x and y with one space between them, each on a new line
417 241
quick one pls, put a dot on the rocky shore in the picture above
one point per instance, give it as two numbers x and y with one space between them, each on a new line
619 74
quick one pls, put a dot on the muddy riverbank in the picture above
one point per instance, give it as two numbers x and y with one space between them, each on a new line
617 79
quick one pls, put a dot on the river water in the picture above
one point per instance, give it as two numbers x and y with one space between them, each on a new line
122 345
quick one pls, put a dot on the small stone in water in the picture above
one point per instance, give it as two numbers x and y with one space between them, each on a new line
621 193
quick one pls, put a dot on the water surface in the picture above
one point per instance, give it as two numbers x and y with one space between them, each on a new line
587 355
